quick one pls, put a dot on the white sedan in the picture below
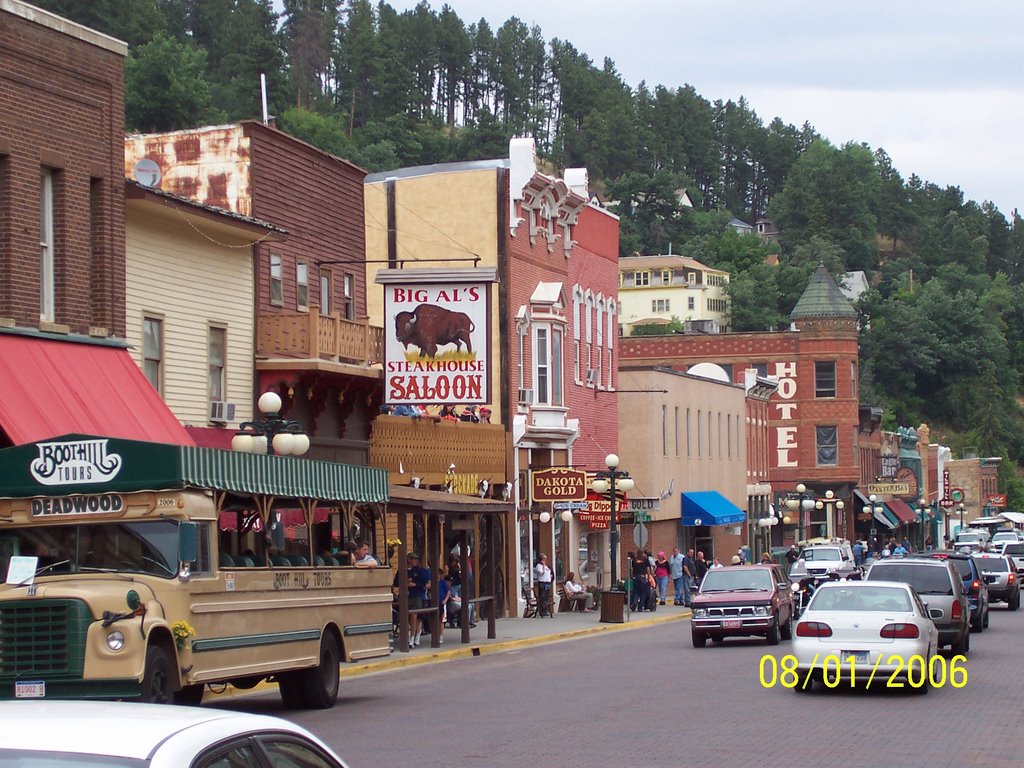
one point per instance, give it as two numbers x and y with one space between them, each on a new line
86 734
865 631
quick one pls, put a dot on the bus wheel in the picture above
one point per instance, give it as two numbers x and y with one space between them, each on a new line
190 695
321 682
156 682
291 687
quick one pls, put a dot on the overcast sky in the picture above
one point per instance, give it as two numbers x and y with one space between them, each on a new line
937 84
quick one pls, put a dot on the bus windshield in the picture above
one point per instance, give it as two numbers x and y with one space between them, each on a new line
133 547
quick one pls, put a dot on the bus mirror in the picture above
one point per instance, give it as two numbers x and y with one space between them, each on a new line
188 540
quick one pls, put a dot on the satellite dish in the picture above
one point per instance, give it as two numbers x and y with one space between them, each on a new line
147 173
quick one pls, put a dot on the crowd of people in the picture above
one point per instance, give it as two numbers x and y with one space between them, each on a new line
469 413
651 577
449 596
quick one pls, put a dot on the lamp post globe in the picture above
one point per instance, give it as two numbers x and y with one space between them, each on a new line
611 461
269 402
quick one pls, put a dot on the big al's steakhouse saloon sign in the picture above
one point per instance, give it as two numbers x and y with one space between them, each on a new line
437 343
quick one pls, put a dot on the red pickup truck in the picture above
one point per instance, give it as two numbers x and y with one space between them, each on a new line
742 601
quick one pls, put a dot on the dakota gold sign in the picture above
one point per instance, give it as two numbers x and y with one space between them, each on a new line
558 484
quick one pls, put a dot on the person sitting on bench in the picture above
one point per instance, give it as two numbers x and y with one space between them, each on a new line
575 593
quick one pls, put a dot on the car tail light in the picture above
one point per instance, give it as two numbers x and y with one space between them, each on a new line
813 629
900 631
958 610
975 586
1012 577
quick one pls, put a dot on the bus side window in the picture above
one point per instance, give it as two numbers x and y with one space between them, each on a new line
204 560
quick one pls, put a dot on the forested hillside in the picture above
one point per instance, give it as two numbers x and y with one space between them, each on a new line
944 325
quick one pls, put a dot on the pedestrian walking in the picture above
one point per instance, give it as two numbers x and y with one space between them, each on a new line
661 574
676 572
640 569
858 553
542 575
689 569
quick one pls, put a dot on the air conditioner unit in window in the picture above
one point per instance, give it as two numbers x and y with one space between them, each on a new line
526 397
222 411
591 376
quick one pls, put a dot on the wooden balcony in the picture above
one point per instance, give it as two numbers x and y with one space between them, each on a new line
310 335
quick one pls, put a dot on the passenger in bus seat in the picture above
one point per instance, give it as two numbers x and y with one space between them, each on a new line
362 558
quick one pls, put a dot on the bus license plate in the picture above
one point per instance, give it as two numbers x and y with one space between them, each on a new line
33 690
732 623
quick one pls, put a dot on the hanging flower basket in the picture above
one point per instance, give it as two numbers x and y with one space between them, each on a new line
183 633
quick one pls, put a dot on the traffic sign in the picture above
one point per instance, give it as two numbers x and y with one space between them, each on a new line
640 534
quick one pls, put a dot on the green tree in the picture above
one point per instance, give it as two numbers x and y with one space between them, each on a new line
134 21
166 87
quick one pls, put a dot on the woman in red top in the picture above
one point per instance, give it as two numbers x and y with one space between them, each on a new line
661 574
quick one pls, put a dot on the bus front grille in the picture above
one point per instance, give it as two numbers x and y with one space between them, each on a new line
43 637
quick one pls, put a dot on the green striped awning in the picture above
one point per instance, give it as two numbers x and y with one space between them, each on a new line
87 464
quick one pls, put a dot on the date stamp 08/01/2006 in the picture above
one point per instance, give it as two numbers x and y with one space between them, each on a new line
892 671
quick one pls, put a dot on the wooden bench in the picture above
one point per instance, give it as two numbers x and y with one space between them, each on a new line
567 603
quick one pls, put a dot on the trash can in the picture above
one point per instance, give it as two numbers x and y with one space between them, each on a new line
613 606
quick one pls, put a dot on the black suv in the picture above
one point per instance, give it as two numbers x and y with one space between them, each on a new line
974 586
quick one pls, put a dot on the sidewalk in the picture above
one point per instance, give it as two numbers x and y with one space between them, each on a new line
512 633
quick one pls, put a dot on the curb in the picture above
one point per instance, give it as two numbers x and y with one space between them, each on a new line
359 669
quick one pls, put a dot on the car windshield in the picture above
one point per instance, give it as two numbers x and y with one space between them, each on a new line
726 580
861 599
23 758
821 553
968 538
992 564
926 579
136 547
1005 536
1014 549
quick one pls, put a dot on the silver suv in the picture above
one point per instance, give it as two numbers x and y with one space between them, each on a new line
1000 573
821 561
941 590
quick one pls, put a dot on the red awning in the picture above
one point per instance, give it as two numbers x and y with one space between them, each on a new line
53 388
212 437
902 511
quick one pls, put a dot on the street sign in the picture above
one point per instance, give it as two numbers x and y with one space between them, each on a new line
640 534
569 505
642 517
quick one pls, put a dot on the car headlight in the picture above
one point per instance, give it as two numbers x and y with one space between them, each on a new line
700 613
115 640
760 610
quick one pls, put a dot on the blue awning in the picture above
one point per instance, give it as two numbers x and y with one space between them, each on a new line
710 508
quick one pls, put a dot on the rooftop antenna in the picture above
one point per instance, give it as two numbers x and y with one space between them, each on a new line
263 96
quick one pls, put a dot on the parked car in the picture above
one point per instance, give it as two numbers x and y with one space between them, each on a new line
1000 575
939 585
870 621
1016 554
974 586
91 734
822 559
740 601
1001 537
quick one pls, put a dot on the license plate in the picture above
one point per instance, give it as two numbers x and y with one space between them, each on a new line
859 657
732 623
33 690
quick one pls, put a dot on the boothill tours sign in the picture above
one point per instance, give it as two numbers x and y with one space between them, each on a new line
437 336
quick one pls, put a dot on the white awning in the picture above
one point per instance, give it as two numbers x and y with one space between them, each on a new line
1017 518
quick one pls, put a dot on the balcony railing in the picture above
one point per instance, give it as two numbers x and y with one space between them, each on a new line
308 335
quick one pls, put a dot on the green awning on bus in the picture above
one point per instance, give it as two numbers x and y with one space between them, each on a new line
88 464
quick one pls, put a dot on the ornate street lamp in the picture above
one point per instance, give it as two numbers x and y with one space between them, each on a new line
962 507
922 503
271 434
606 482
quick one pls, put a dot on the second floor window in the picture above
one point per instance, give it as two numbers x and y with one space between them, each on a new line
325 293
827 446
691 302
276 291
46 270
302 285
825 379
641 278
350 297
153 351
660 305
217 356
547 356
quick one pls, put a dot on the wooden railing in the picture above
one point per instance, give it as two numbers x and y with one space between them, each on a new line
312 335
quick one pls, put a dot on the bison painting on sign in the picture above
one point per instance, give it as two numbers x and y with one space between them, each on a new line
437 343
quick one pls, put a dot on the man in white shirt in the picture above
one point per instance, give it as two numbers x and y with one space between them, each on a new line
362 557
542 575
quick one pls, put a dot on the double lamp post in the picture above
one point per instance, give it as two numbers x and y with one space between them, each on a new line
609 481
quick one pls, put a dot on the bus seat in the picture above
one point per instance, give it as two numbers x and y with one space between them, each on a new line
297 560
226 561
245 561
280 561
319 560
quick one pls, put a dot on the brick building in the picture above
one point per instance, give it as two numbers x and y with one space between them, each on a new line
63 358
314 346
814 415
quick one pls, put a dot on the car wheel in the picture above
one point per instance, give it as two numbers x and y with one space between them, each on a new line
699 639
978 625
322 681
190 695
984 623
786 631
1014 603
156 680
772 635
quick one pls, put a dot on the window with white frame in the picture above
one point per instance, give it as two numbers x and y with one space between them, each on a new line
609 341
589 308
691 302
547 365
600 342
641 279
326 292
660 305
349 284
46 267
153 351
666 277
276 290
577 306
217 355
301 285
